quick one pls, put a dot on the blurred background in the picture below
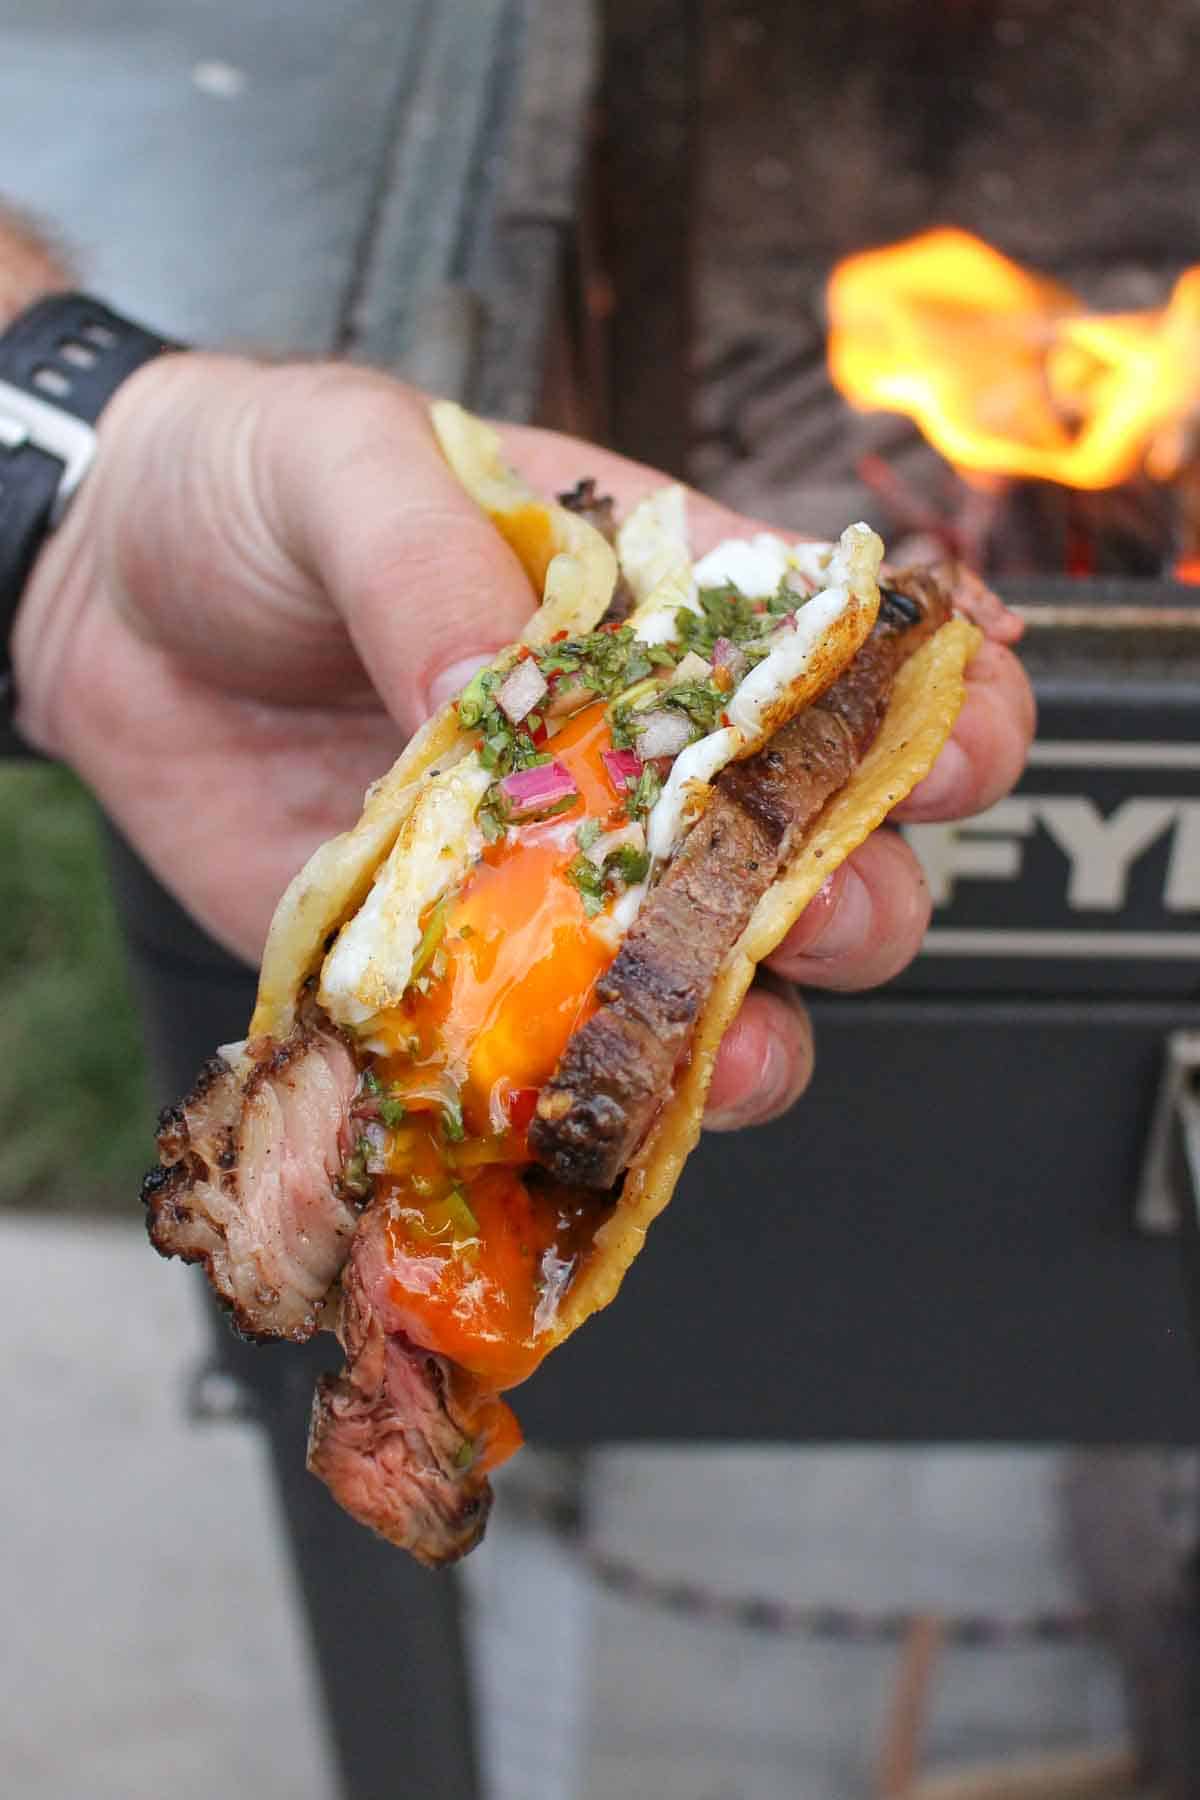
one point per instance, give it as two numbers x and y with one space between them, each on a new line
956 1557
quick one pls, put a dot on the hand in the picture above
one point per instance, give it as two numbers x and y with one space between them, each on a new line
265 585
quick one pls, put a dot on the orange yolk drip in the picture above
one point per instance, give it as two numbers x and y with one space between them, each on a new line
475 1247
529 532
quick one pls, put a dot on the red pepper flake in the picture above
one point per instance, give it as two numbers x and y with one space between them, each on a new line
725 719
559 637
520 1105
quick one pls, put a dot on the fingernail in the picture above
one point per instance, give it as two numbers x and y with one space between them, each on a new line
944 782
449 682
849 923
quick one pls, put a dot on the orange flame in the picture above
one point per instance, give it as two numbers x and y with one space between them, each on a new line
1006 373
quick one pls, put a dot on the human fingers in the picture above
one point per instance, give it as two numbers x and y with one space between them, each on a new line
289 534
765 1061
980 603
865 924
987 749
427 587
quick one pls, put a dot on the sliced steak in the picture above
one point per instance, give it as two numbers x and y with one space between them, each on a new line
250 1181
400 1438
617 1068
600 511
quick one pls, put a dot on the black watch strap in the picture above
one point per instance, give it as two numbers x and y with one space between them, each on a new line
60 364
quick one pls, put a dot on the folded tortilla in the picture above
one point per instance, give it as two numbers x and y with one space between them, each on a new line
575 570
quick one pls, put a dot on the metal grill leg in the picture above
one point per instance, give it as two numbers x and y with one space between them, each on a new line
386 1633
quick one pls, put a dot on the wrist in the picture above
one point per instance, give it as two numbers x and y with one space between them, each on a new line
63 361
30 267
82 557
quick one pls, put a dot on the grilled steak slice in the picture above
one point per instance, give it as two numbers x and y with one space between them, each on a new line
250 1178
400 1437
617 1068
600 510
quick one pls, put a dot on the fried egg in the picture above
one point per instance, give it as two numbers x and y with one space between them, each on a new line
370 965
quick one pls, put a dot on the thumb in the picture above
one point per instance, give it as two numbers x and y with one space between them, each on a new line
426 586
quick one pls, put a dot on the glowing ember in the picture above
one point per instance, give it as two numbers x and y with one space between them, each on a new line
1006 373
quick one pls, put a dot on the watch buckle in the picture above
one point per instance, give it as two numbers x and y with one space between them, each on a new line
24 419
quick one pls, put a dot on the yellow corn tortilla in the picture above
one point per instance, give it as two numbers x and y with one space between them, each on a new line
577 570
926 699
574 570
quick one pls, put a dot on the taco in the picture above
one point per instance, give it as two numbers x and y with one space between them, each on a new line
488 1014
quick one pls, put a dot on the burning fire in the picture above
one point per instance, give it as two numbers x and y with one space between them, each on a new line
1007 373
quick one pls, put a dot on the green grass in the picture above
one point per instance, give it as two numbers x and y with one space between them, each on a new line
75 1120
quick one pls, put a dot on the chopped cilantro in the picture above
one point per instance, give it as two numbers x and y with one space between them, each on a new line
497 750
725 613
583 874
452 1119
465 1455
503 746
356 1177
630 698
605 662
492 824
392 1112
431 937
622 868
644 795
459 1212
372 1083
560 806
702 701
785 599
620 723
475 698
629 865
587 833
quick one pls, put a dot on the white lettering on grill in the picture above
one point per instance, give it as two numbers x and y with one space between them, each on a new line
1182 892
985 847
1102 850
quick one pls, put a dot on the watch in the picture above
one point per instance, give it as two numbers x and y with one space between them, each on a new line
61 361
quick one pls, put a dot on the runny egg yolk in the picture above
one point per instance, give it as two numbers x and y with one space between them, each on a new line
476 1246
529 532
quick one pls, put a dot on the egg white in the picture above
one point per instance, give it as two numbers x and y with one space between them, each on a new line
851 569
370 965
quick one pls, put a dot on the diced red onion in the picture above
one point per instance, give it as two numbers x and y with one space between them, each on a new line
521 690
692 668
726 655
529 792
567 695
377 1142
662 734
623 767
